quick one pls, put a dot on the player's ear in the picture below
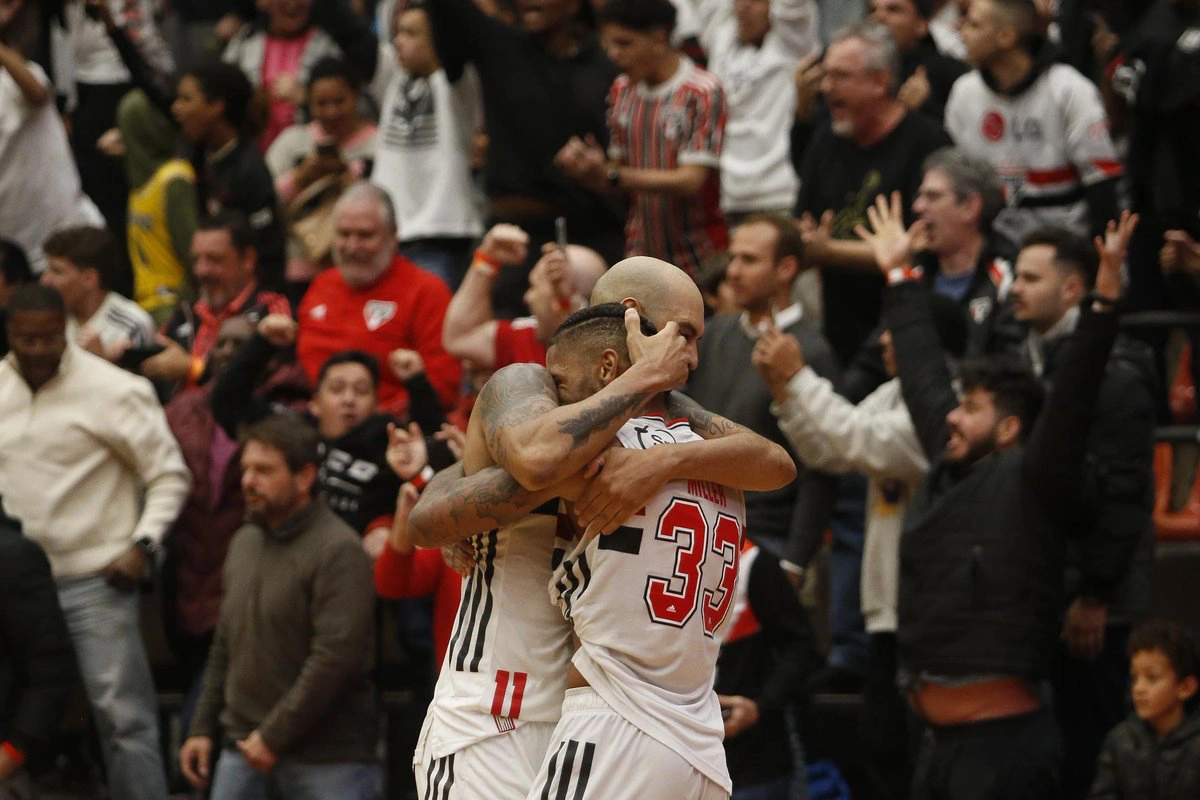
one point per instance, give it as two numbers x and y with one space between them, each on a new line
609 366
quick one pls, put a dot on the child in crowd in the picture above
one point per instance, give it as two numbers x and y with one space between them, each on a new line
1155 753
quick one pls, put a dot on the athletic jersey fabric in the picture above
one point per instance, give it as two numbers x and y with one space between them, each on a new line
672 125
506 663
1047 141
158 275
517 343
648 603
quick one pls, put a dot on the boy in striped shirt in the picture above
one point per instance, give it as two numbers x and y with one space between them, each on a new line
666 121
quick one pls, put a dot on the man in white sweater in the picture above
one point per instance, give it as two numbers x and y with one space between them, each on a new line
877 438
88 465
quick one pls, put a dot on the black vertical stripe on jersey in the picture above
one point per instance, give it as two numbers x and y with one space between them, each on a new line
481 585
466 612
573 581
553 769
449 778
585 769
489 572
564 783
429 780
438 783
585 573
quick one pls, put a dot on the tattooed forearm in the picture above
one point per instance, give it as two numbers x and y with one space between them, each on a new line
453 507
592 420
705 423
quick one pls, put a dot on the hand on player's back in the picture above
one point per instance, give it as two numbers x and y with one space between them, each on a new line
662 357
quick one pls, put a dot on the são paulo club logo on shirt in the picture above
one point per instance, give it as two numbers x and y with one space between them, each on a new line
648 437
376 313
993 126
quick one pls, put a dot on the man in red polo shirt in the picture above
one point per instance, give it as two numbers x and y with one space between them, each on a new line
559 284
377 301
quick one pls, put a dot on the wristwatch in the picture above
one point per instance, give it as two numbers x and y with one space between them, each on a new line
149 547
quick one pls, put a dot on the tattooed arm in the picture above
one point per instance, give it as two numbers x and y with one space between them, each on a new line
539 442
730 455
454 507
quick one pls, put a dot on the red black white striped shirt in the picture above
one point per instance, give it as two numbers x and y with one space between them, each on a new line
664 127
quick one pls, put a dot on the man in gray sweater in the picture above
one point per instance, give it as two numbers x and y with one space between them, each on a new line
288 678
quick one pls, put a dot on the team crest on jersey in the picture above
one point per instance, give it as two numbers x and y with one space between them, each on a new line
673 121
980 307
318 312
648 437
376 313
993 126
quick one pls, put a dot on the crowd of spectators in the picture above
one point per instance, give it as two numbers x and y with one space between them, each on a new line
257 261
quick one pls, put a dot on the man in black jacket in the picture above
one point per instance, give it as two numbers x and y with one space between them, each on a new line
982 553
926 75
353 477
37 662
544 81
1109 563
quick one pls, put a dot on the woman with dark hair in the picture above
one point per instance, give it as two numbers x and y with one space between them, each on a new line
278 54
336 148
212 108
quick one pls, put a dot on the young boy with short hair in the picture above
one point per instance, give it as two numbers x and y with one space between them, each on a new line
1156 751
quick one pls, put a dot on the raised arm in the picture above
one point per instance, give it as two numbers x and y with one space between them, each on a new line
924 375
539 442
469 330
1057 446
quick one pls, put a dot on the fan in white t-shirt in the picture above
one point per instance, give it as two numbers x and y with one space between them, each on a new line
80 265
39 184
423 155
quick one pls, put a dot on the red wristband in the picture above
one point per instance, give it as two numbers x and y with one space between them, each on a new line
12 752
422 478
485 263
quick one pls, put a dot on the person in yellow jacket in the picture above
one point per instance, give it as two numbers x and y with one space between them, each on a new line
162 206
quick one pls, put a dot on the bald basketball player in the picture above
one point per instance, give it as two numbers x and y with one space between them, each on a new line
500 690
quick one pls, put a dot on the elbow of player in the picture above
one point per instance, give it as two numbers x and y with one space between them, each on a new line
536 472
781 469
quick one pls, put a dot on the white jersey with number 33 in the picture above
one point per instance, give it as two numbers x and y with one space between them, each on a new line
648 600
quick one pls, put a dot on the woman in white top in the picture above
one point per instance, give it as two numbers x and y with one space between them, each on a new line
427 133
338 141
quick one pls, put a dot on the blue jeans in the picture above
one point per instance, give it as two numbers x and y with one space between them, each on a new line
446 258
103 624
774 790
846 628
235 779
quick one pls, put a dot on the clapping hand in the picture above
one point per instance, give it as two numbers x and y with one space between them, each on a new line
778 357
892 244
1112 248
406 451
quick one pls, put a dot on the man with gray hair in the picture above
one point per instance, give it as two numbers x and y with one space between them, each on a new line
869 144
377 301
963 258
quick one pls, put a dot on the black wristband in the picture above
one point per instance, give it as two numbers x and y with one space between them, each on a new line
1099 299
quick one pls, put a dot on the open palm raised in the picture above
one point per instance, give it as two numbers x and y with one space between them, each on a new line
892 244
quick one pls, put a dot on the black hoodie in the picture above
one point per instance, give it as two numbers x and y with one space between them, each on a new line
1135 765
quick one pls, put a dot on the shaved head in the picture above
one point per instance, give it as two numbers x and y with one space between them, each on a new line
661 292
655 287
586 266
